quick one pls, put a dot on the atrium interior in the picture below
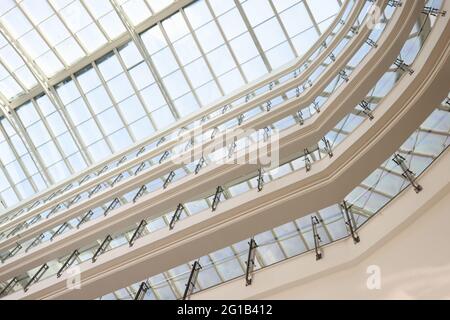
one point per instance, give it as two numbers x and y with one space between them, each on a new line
224 149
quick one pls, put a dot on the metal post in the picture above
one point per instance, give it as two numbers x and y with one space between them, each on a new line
67 188
102 248
59 231
143 288
95 190
395 3
366 109
35 242
140 168
400 64
161 141
73 257
105 168
138 233
122 160
327 147
308 164
74 200
268 105
250 262
200 164
112 206
141 151
343 75
169 179
86 178
37 276
190 286
6 290
260 180
372 43
14 251
407 174
350 221
300 118
317 240
54 210
216 200
117 179
176 216
435 12
332 57
86 218
165 155
241 119
140 193
316 106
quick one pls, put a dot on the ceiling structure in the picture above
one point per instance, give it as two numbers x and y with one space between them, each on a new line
83 79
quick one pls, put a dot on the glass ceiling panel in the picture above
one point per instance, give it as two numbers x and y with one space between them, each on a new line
15 76
55 34
185 62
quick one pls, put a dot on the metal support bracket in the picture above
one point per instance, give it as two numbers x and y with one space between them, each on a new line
327 147
6 290
216 199
169 179
200 164
73 257
190 286
60 230
143 288
85 218
176 216
400 64
366 109
350 221
35 242
317 240
308 164
260 179
407 174
102 248
140 193
138 232
37 276
250 262
112 206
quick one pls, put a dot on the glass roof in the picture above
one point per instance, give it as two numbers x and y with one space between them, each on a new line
57 33
197 55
